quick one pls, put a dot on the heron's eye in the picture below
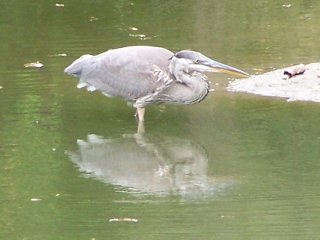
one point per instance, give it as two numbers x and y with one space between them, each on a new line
195 61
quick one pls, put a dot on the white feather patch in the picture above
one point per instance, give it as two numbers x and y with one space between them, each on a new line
82 85
91 88
106 94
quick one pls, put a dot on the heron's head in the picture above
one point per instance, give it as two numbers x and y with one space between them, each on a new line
191 61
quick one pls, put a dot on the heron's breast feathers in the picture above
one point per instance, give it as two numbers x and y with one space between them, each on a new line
162 76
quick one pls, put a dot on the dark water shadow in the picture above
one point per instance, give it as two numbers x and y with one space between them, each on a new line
153 165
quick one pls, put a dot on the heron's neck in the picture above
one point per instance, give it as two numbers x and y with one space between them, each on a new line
196 86
190 87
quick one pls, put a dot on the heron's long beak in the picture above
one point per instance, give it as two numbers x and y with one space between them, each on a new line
215 66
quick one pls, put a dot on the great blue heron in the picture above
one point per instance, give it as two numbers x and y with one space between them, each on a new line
144 75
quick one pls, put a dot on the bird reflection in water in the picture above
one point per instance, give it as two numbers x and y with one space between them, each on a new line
139 165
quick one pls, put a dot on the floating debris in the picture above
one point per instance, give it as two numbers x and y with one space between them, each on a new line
123 220
36 64
258 70
286 5
133 28
293 71
59 5
0 87
91 19
59 55
140 36
35 199
137 35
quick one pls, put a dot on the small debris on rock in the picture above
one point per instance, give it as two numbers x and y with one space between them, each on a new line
293 71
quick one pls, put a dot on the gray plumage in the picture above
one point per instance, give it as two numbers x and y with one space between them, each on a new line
146 75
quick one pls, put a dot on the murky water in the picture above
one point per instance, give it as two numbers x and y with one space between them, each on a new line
235 166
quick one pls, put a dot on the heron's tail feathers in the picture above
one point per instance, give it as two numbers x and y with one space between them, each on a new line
75 68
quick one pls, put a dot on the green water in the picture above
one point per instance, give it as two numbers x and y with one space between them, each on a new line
235 166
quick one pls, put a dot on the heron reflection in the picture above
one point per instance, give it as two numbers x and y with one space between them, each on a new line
157 166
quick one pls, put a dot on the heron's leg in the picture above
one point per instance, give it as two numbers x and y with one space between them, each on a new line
136 115
140 130
139 114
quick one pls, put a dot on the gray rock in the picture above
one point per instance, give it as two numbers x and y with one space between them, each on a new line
303 87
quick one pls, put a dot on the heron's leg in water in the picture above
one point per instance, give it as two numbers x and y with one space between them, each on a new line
140 114
140 130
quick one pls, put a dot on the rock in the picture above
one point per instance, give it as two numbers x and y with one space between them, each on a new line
298 86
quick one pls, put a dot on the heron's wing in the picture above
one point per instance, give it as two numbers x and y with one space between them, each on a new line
125 72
